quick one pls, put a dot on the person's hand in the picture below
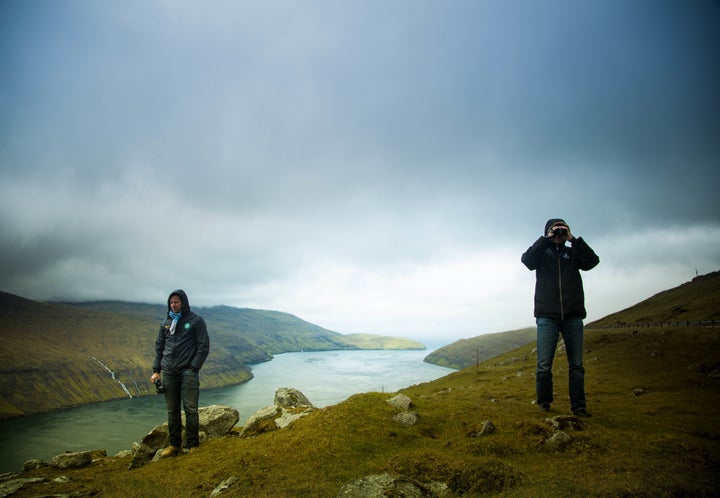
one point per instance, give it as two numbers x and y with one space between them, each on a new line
154 377
557 238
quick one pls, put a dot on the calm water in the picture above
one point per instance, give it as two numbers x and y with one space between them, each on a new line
325 378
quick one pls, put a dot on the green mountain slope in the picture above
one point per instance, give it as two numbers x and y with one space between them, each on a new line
655 431
467 352
696 300
56 355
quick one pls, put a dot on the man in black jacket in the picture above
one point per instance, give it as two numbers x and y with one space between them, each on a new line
560 308
181 347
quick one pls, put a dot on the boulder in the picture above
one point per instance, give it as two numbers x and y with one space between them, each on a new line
290 405
407 418
261 421
401 402
288 397
215 421
152 441
558 441
69 459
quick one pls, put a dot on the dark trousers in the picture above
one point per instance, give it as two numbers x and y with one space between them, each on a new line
548 333
183 387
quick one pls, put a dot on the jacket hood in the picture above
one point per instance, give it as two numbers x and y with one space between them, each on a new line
549 223
183 297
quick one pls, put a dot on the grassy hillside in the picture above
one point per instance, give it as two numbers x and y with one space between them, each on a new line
655 431
56 355
696 300
468 352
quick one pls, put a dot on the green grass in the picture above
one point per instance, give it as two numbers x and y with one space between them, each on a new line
664 442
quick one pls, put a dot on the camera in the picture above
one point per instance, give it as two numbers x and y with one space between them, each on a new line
159 388
559 231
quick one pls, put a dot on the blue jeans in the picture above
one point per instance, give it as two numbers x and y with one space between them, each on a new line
548 332
183 386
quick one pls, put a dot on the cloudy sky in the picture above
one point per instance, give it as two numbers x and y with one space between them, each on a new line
370 166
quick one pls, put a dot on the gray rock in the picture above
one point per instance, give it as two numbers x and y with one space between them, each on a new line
148 447
407 418
290 405
401 402
70 459
12 486
224 486
563 422
558 441
256 423
217 420
287 418
34 464
289 397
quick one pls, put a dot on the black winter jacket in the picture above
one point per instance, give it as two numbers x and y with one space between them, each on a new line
558 285
188 347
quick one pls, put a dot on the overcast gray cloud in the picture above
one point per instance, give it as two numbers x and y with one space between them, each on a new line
369 166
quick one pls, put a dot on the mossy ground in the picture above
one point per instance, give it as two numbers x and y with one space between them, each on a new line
655 431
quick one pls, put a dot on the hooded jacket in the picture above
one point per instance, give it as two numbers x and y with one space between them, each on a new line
558 285
188 347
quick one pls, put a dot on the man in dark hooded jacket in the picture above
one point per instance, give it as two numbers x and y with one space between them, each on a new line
181 347
560 308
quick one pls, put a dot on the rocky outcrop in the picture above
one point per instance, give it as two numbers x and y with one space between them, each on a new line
406 417
559 439
71 459
215 421
289 405
11 483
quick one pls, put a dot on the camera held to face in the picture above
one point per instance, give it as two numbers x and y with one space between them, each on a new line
159 388
562 231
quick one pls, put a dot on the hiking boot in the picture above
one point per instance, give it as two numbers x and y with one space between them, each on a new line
544 408
169 451
582 412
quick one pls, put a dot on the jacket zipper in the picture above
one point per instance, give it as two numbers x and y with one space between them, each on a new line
562 311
